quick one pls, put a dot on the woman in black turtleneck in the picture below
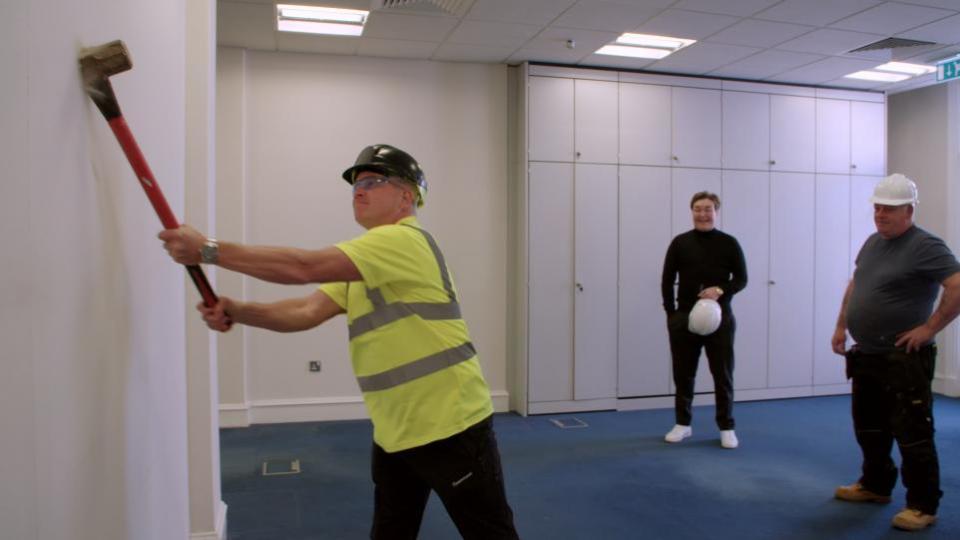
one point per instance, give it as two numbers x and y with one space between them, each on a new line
710 264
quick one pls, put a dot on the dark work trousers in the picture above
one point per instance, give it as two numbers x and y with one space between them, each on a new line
685 347
464 470
892 400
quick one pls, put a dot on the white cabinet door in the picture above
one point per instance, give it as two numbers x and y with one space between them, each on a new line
793 134
644 347
696 127
595 300
687 182
596 121
550 320
833 136
861 214
868 130
832 273
745 207
746 131
792 199
645 131
550 106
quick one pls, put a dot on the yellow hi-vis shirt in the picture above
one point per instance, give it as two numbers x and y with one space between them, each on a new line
409 345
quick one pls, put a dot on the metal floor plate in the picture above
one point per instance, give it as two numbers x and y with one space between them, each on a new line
280 467
571 422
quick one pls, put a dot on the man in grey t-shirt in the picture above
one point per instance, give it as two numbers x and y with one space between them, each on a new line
888 309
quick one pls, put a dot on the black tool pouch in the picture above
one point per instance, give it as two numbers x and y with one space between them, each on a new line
854 361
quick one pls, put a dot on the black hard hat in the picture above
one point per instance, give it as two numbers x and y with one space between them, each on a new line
389 161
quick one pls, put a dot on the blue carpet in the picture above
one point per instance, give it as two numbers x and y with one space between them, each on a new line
615 479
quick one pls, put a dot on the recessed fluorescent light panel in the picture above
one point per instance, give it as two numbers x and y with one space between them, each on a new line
320 20
892 72
645 46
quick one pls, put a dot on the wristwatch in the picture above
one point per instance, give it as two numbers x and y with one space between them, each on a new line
210 251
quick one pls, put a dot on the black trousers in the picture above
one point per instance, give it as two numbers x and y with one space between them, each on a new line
685 347
464 470
892 400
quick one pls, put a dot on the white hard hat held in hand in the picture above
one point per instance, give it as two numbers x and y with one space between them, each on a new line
705 317
895 190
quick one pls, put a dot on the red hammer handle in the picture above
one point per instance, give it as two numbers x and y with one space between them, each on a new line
159 202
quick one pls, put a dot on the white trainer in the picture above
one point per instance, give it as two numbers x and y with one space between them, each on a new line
678 433
728 439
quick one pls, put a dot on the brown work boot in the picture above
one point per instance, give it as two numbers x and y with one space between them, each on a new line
910 519
857 493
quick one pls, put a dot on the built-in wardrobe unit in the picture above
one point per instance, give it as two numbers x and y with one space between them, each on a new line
603 167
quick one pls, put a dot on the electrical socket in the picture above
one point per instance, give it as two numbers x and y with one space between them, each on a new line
314 365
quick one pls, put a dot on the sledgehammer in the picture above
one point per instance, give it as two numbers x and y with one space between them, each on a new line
97 64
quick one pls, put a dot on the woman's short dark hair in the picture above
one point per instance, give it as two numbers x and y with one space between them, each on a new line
705 195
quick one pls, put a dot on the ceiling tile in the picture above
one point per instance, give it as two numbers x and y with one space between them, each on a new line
754 33
891 17
246 25
828 41
766 64
854 84
620 62
879 55
585 41
408 27
538 12
946 31
824 70
605 16
741 8
458 52
493 33
313 43
946 4
930 57
560 55
815 12
703 57
685 24
395 48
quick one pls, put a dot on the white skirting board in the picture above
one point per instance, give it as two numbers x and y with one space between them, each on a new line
665 402
948 386
220 532
277 411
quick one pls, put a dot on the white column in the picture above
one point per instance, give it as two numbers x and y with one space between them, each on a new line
948 363
207 511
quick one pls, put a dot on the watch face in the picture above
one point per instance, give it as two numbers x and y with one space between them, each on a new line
209 253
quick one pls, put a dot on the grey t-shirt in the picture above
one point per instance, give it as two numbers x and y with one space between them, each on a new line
895 285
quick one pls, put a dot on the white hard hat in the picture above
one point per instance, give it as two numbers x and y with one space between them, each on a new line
895 190
705 317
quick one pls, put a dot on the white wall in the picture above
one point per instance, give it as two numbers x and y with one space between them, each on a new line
288 125
923 134
92 394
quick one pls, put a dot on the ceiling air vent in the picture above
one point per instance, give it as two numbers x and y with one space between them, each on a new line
892 43
457 8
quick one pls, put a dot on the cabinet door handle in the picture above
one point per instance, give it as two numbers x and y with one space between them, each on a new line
853 165
675 158
771 282
579 287
578 155
773 162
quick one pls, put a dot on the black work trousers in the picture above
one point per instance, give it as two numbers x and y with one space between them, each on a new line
464 470
892 400
685 347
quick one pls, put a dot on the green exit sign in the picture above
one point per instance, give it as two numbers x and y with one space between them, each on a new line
948 69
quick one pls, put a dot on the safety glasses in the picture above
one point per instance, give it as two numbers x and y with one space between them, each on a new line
370 182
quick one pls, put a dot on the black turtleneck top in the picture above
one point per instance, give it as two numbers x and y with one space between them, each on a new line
702 259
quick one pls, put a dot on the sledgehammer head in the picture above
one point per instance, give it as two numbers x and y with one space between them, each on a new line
97 64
